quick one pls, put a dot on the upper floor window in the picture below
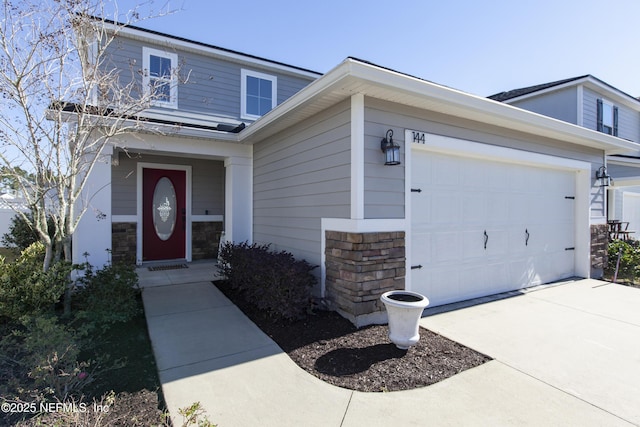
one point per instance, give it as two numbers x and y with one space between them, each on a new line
159 77
258 94
607 119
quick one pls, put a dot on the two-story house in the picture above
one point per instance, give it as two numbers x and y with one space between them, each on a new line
475 197
589 102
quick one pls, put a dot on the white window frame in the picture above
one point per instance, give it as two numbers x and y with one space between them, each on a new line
243 90
173 80
607 119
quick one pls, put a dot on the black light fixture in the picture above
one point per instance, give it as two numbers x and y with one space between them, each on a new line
603 176
391 151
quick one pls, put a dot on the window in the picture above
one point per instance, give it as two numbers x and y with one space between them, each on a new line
159 78
607 120
258 94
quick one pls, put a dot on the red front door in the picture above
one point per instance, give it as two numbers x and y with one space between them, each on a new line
163 214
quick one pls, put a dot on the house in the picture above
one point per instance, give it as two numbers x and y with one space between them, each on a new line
590 102
10 204
485 198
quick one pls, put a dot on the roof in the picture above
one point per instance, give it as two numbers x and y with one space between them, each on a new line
514 94
354 76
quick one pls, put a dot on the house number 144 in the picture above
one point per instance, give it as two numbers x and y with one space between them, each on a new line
418 137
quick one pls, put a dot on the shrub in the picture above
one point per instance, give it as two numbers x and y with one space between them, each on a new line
629 267
21 235
25 289
108 295
272 281
41 361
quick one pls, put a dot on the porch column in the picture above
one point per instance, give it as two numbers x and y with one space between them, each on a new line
238 199
93 234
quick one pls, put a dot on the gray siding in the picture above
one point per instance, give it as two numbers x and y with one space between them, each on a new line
301 176
207 85
628 119
383 185
388 115
207 183
561 104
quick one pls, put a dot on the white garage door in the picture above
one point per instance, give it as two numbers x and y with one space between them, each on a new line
482 227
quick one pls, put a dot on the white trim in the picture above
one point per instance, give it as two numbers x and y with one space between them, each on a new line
173 81
124 218
355 76
139 186
466 148
207 218
354 226
357 156
238 198
244 73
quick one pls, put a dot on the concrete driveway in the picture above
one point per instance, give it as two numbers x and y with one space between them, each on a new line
581 338
566 355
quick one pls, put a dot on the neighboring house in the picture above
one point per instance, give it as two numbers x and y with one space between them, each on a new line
10 204
589 102
487 197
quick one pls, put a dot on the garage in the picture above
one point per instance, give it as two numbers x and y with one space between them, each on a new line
482 226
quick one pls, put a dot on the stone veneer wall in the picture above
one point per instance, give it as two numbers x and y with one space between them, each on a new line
205 239
359 268
123 242
599 246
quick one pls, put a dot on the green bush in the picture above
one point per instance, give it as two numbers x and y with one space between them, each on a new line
272 281
107 296
629 267
40 361
21 235
27 290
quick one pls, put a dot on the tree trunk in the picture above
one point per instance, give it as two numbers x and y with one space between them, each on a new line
48 255
66 249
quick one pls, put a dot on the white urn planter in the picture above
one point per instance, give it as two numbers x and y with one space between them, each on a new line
404 310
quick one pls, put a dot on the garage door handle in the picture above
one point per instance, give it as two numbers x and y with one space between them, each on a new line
486 239
526 240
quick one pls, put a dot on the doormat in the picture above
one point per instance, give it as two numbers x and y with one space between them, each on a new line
168 267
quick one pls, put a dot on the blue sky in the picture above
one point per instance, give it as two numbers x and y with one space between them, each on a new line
480 47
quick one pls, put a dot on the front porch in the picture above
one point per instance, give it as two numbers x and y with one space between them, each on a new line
210 186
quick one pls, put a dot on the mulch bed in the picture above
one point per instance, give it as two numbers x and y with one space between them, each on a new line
329 347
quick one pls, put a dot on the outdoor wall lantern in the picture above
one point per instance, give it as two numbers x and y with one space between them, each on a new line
603 176
391 151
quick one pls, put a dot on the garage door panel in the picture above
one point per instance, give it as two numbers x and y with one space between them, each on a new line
497 242
524 272
421 247
442 285
445 172
446 208
523 209
474 207
445 247
497 208
472 244
519 207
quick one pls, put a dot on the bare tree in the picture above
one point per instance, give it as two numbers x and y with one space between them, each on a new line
61 103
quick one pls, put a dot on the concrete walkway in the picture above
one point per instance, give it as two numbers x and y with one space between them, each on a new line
567 355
